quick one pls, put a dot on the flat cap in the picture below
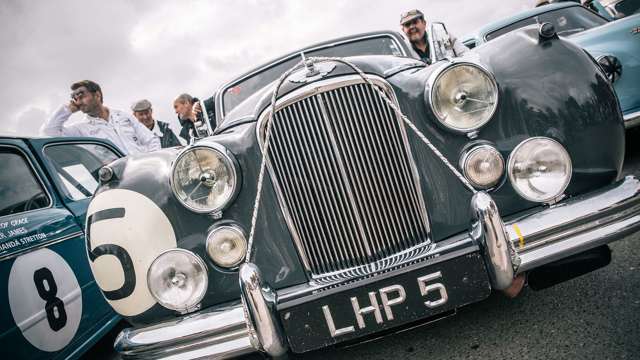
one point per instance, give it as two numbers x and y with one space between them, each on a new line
410 15
141 105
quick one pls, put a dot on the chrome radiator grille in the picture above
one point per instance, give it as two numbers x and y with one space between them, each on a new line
344 175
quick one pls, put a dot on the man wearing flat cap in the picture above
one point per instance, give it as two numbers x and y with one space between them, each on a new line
415 28
143 112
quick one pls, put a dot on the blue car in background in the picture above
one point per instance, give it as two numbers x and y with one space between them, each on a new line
52 306
613 9
614 44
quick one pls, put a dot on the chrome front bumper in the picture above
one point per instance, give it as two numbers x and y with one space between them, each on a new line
521 244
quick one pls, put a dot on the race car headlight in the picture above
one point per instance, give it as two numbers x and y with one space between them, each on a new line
204 178
178 279
483 166
463 97
226 246
539 169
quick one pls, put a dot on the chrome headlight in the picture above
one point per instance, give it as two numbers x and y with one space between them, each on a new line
539 169
463 97
483 166
226 246
178 279
204 178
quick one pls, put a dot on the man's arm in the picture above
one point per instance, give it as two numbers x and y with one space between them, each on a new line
54 126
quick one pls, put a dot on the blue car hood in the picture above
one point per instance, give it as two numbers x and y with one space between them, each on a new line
621 39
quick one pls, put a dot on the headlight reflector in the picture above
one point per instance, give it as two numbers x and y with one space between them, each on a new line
540 169
483 166
226 246
204 178
178 279
464 97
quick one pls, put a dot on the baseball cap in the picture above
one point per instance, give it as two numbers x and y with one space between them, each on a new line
141 105
410 15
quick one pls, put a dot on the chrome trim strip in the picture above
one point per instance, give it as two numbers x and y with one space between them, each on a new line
217 333
222 89
40 246
577 224
632 120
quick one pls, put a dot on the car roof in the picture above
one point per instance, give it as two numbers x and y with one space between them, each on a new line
16 136
499 24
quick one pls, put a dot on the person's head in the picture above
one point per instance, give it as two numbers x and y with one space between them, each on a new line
88 96
143 112
413 25
183 105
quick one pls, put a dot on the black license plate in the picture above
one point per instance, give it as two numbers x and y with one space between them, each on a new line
384 302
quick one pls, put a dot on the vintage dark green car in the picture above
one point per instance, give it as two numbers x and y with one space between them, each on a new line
361 190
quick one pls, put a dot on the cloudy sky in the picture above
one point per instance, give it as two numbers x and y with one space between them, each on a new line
159 49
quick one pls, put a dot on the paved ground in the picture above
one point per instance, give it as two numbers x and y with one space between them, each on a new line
596 316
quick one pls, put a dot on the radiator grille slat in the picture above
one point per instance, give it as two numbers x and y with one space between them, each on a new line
345 178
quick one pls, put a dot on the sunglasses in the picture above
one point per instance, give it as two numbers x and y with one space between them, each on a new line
77 95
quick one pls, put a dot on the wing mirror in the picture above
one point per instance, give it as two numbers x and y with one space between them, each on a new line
440 42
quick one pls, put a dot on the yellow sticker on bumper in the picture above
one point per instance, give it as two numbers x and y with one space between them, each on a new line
519 233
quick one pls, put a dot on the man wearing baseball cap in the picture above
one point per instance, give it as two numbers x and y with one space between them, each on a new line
415 28
143 112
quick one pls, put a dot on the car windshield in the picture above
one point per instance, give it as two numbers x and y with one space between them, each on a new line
626 8
241 90
566 21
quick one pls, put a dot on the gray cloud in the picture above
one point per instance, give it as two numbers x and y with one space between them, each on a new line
156 50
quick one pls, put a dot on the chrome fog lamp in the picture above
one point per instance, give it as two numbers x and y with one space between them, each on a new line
539 169
226 246
178 280
483 166
463 97
204 178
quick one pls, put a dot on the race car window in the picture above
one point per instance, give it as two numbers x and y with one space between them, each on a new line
77 166
566 21
20 190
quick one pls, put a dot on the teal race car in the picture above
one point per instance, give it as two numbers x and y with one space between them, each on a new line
52 306
615 45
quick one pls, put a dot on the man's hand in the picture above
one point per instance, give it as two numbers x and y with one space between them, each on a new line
73 106
196 108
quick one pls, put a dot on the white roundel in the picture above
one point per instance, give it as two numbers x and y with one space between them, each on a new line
45 299
126 231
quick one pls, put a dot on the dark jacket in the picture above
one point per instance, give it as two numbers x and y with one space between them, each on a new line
168 138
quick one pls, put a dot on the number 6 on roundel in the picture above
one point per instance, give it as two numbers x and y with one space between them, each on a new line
119 252
126 231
